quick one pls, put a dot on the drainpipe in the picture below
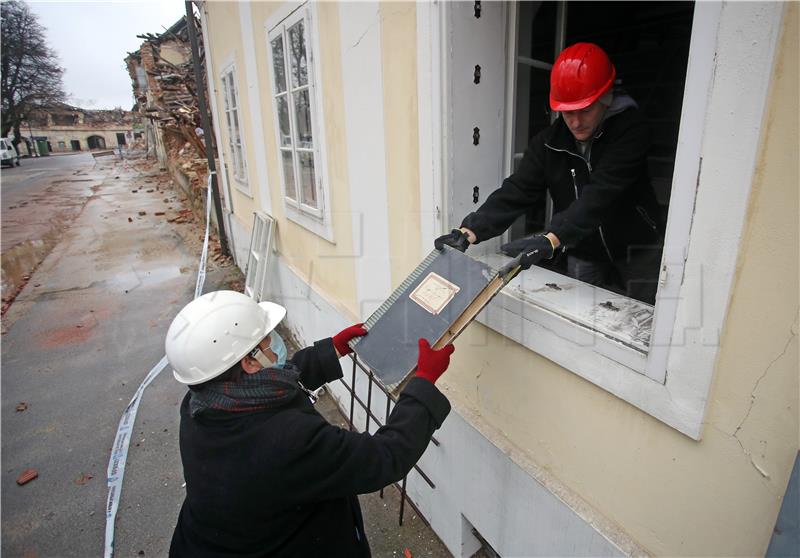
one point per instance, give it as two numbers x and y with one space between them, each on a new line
201 105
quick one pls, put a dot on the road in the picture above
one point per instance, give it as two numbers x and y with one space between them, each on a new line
39 198
77 342
34 175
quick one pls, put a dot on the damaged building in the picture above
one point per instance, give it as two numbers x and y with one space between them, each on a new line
62 128
162 78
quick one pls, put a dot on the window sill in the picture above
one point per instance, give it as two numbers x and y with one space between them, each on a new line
592 332
242 186
321 227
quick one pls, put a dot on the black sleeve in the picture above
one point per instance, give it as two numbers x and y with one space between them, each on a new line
518 192
620 169
334 462
318 365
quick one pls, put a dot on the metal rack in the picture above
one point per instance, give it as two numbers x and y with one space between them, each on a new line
370 416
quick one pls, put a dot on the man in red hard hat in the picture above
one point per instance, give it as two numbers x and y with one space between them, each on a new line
593 162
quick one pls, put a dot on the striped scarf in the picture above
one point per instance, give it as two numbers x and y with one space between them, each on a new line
268 388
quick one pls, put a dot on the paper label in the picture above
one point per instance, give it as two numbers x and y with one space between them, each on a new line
434 293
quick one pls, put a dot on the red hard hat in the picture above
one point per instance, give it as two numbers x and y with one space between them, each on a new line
582 73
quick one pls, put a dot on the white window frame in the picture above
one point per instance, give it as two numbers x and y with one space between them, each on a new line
261 247
317 220
671 380
227 76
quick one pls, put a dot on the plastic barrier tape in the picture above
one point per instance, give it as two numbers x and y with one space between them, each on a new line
119 451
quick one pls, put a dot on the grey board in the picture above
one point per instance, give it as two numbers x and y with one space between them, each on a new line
390 348
786 535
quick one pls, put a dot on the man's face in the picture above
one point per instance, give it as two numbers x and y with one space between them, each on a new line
582 123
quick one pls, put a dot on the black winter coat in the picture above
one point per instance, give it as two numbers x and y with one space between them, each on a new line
601 205
283 482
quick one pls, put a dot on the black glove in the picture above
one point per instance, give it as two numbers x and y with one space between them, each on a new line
527 251
456 239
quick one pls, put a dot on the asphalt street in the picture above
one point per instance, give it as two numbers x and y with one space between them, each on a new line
79 338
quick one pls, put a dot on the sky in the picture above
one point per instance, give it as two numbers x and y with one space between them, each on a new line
92 39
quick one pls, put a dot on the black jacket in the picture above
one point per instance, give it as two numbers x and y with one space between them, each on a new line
602 205
283 482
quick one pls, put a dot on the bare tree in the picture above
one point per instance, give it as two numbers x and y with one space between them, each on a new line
30 75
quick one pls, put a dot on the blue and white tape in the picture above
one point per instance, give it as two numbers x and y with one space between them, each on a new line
119 451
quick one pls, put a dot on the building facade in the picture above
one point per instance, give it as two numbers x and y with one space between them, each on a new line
584 422
63 128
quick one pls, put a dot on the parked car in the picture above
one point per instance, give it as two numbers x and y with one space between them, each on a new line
9 153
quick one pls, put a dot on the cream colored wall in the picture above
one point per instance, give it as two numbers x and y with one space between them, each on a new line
399 57
327 266
675 496
226 46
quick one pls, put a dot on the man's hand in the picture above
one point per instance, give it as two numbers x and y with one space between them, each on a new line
528 251
456 238
340 339
432 363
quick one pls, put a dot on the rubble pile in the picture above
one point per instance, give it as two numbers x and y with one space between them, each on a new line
162 75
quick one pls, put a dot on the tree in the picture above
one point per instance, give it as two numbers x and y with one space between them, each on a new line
30 75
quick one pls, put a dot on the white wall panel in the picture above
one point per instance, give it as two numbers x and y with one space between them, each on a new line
362 79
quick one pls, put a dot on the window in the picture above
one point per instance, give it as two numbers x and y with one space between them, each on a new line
231 99
294 103
635 35
659 358
258 258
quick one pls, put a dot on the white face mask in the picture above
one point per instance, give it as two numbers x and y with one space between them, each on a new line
262 359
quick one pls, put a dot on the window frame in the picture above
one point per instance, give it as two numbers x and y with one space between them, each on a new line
316 219
687 330
228 77
261 248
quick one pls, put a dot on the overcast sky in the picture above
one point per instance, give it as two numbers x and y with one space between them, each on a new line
91 40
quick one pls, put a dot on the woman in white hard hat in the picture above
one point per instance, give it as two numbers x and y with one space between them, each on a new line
266 475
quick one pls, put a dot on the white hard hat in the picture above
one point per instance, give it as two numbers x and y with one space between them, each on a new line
214 331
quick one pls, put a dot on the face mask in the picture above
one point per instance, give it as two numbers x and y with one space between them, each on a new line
262 359
278 347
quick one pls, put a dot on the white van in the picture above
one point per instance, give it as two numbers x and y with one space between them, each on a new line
8 152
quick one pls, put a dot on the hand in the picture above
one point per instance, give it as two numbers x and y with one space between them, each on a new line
528 251
340 339
432 363
456 239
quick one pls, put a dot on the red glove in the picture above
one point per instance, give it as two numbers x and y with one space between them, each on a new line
432 363
340 339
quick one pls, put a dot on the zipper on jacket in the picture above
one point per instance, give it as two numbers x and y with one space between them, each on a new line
599 227
574 183
603 238
581 157
646 217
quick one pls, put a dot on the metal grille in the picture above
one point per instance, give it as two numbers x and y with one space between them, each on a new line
359 367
